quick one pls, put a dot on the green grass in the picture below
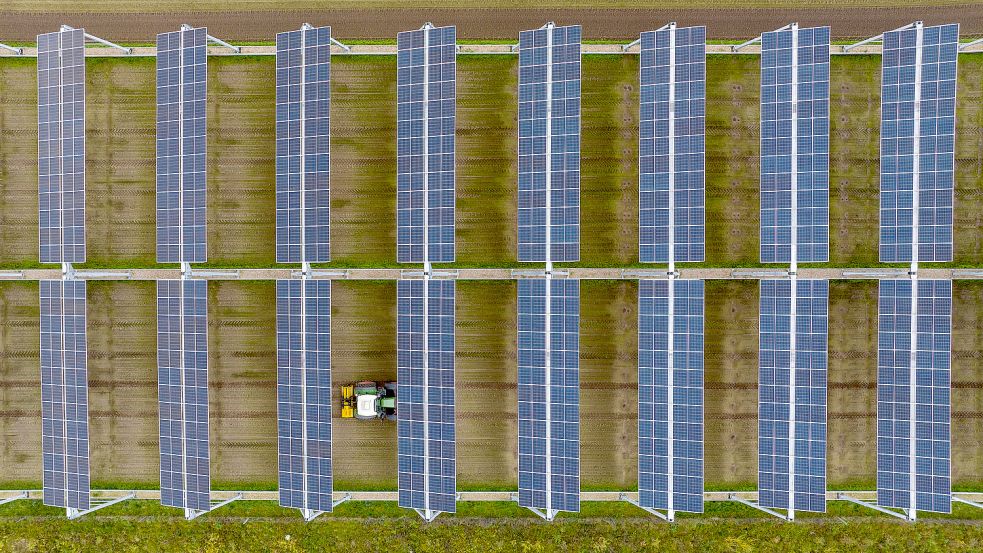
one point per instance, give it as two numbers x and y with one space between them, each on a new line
478 529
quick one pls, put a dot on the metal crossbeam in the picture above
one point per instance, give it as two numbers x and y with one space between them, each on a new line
907 514
17 51
76 513
753 505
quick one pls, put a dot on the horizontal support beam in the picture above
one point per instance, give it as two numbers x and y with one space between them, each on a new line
467 496
503 273
463 49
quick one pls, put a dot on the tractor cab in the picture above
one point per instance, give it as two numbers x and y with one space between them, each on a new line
369 400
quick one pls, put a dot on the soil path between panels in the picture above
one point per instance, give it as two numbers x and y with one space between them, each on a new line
497 23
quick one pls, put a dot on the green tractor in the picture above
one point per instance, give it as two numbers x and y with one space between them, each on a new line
369 400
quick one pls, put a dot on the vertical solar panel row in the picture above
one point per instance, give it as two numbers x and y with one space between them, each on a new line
657 410
786 463
303 133
182 376
64 395
671 151
795 145
426 98
549 144
181 103
927 395
61 146
549 394
304 393
425 399
918 109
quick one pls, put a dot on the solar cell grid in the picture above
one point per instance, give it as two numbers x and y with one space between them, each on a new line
181 155
549 144
914 404
304 394
426 104
549 394
795 145
672 144
792 460
182 362
685 463
918 96
303 109
61 146
64 394
425 398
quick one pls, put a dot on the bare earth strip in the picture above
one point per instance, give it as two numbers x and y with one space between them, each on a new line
498 23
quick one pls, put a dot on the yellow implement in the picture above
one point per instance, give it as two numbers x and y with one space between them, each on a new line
347 401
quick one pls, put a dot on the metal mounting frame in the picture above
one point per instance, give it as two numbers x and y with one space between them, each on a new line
76 513
191 514
23 495
17 51
213 40
787 518
961 46
878 38
909 515
668 516
104 42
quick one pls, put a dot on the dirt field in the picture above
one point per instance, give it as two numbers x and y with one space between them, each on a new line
120 126
242 377
496 21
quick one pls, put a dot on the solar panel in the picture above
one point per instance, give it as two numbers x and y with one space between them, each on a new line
921 395
672 144
61 146
182 376
549 144
426 84
549 394
795 145
64 395
792 422
918 110
304 393
425 397
670 418
181 102
303 133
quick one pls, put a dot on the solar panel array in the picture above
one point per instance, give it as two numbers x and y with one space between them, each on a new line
929 390
181 102
64 395
61 146
918 109
795 145
682 407
799 466
182 379
549 144
425 397
672 144
549 394
303 134
426 99
303 334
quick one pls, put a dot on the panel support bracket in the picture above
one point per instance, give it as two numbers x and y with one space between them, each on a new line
905 514
17 51
192 514
76 513
668 516
754 505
